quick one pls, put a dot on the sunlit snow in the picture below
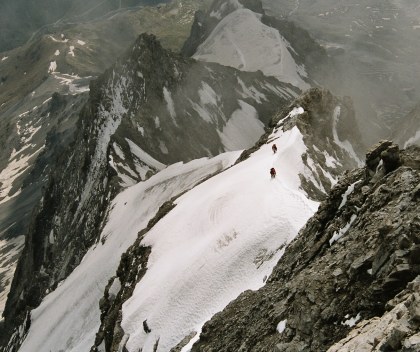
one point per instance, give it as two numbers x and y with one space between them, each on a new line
69 317
233 230
242 129
223 237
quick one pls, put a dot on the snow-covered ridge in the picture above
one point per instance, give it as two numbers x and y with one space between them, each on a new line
242 41
214 238
54 324
221 247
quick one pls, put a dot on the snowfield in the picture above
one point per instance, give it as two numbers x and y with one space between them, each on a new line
242 41
69 317
223 237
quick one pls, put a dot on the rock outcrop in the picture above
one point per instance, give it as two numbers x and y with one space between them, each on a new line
397 329
353 261
330 134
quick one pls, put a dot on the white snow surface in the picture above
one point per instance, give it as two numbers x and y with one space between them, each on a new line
349 191
281 326
69 317
52 67
296 111
352 321
242 41
222 238
242 129
143 156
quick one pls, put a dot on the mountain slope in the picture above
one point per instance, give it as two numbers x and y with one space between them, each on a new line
373 46
240 40
214 243
241 35
82 290
236 246
125 134
358 251
43 87
21 19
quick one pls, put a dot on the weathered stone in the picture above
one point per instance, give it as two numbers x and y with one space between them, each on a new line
412 344
415 307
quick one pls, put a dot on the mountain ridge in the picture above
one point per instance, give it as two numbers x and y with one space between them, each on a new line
297 308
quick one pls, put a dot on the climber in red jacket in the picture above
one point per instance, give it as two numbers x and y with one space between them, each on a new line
273 172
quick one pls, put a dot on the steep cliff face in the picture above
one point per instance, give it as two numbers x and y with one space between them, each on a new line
358 252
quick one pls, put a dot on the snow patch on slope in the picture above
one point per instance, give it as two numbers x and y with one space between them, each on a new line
69 317
76 84
242 129
170 104
52 67
9 251
15 168
242 41
144 157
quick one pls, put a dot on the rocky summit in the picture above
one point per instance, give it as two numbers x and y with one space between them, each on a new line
349 281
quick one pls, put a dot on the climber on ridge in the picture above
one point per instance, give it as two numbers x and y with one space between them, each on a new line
273 172
274 148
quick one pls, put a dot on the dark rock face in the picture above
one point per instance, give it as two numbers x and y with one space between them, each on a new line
359 251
